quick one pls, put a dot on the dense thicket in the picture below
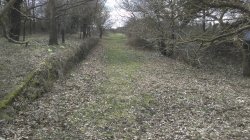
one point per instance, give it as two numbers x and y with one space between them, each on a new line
175 24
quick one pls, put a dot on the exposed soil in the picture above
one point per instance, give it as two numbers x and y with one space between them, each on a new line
121 93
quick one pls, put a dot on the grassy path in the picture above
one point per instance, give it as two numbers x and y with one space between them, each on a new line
115 113
121 93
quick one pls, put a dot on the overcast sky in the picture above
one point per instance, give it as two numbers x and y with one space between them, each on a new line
118 15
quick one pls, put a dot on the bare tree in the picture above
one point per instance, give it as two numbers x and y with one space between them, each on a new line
61 16
174 23
53 24
15 20
102 18
4 12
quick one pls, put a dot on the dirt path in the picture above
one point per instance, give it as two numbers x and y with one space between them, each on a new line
120 93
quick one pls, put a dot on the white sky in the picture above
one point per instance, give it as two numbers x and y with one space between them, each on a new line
118 15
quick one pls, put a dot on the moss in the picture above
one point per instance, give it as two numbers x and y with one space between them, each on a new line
18 90
41 80
9 97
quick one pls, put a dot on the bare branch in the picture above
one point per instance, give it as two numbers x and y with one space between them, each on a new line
7 36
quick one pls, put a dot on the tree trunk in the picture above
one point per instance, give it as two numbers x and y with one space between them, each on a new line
246 59
89 31
59 29
30 26
204 20
101 33
53 26
63 32
33 14
84 31
163 47
24 29
170 52
63 28
30 20
63 35
15 20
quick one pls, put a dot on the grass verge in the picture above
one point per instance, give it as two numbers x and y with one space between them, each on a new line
119 109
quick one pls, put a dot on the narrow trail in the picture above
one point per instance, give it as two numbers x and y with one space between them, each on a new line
122 93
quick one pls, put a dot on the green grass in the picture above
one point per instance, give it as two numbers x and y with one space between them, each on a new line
114 113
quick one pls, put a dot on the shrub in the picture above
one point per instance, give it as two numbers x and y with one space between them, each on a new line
140 43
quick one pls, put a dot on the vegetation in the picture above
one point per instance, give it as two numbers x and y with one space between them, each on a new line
40 80
62 16
119 92
175 25
30 64
172 71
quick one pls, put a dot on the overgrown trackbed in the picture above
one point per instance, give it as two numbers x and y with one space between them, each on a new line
121 93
